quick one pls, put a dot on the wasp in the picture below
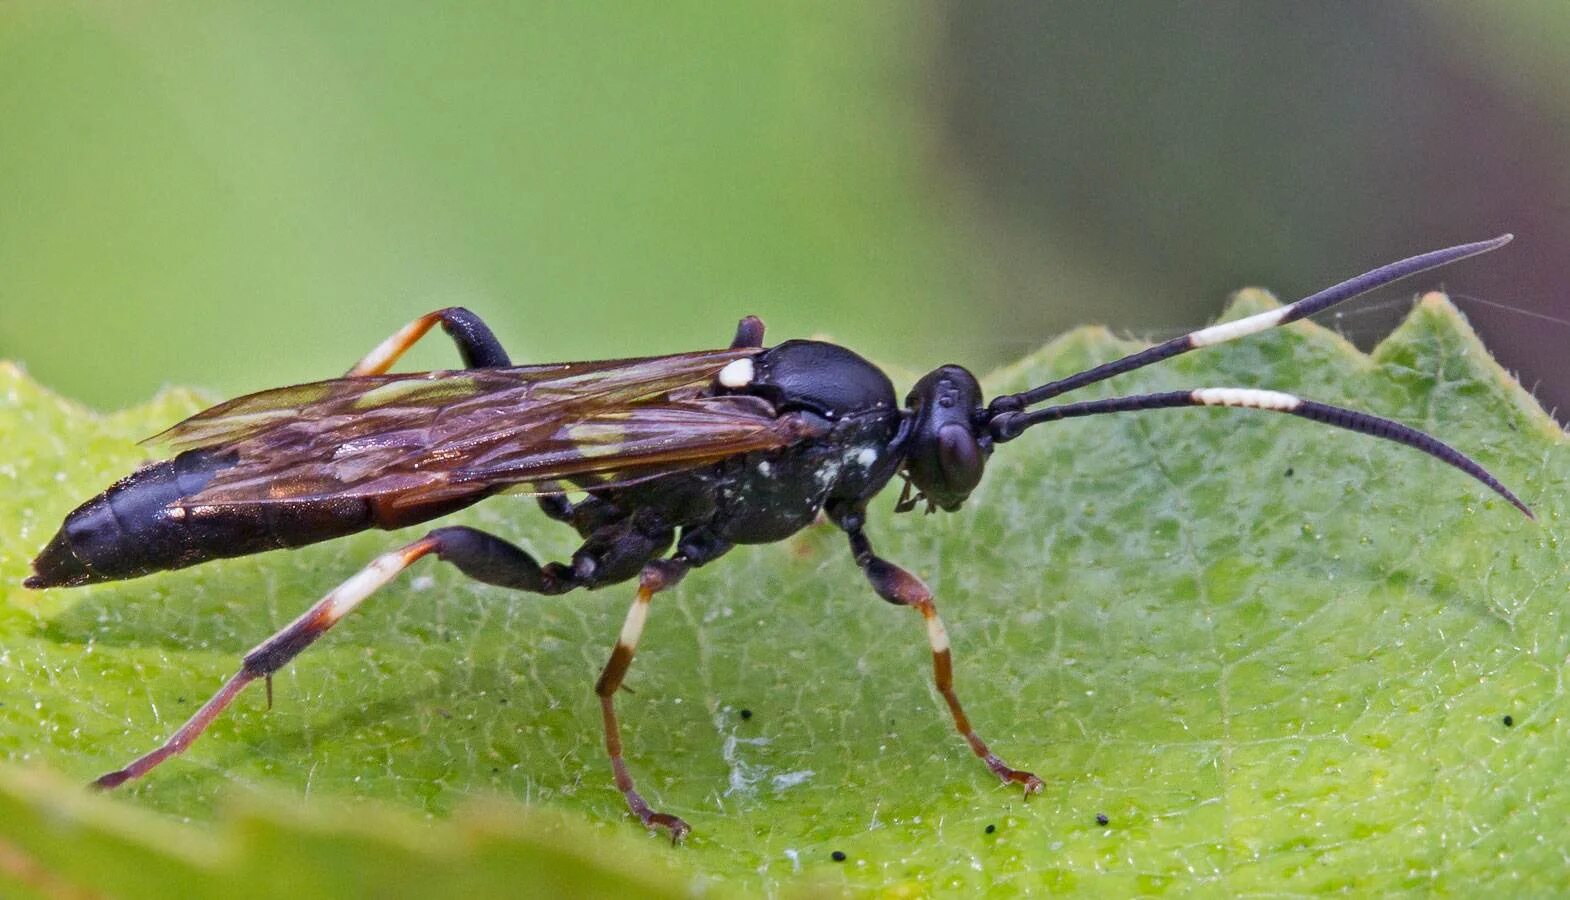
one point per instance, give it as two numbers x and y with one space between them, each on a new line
677 459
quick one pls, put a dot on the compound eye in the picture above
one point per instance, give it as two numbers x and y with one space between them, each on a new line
959 458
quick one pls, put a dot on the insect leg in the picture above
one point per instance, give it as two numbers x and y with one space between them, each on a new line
476 344
899 587
481 556
749 333
696 548
586 516
657 576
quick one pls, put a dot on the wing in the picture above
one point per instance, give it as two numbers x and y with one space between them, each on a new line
374 396
426 437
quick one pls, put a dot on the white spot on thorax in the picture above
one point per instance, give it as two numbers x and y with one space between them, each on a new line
737 374
866 457
764 468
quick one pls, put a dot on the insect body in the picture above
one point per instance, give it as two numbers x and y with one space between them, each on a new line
680 457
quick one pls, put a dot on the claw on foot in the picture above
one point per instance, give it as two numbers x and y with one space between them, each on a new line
110 781
677 828
1033 785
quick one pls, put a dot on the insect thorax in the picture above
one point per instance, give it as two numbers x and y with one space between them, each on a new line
770 495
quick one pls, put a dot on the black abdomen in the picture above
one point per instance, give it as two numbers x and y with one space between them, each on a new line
134 528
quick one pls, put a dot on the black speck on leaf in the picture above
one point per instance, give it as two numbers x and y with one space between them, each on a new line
1290 471
1509 721
991 828
746 714
837 856
1101 819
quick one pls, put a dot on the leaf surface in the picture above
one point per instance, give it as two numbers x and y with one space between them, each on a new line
1277 658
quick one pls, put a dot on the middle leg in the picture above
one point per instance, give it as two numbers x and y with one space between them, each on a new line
656 577
696 548
585 516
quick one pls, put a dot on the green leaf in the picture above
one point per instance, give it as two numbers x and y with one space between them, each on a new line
1276 657
58 839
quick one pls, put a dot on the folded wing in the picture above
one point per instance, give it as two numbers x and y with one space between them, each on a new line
425 437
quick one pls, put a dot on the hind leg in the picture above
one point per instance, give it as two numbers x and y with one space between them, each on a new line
476 343
481 556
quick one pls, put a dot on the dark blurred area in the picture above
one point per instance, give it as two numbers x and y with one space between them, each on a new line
1170 154
236 195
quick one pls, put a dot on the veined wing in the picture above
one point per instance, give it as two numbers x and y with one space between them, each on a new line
417 439
374 398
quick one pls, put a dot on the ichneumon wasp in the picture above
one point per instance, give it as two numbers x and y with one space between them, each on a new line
701 451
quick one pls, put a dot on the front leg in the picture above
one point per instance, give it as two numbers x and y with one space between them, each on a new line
899 587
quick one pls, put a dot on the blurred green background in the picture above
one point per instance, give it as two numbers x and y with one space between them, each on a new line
234 195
